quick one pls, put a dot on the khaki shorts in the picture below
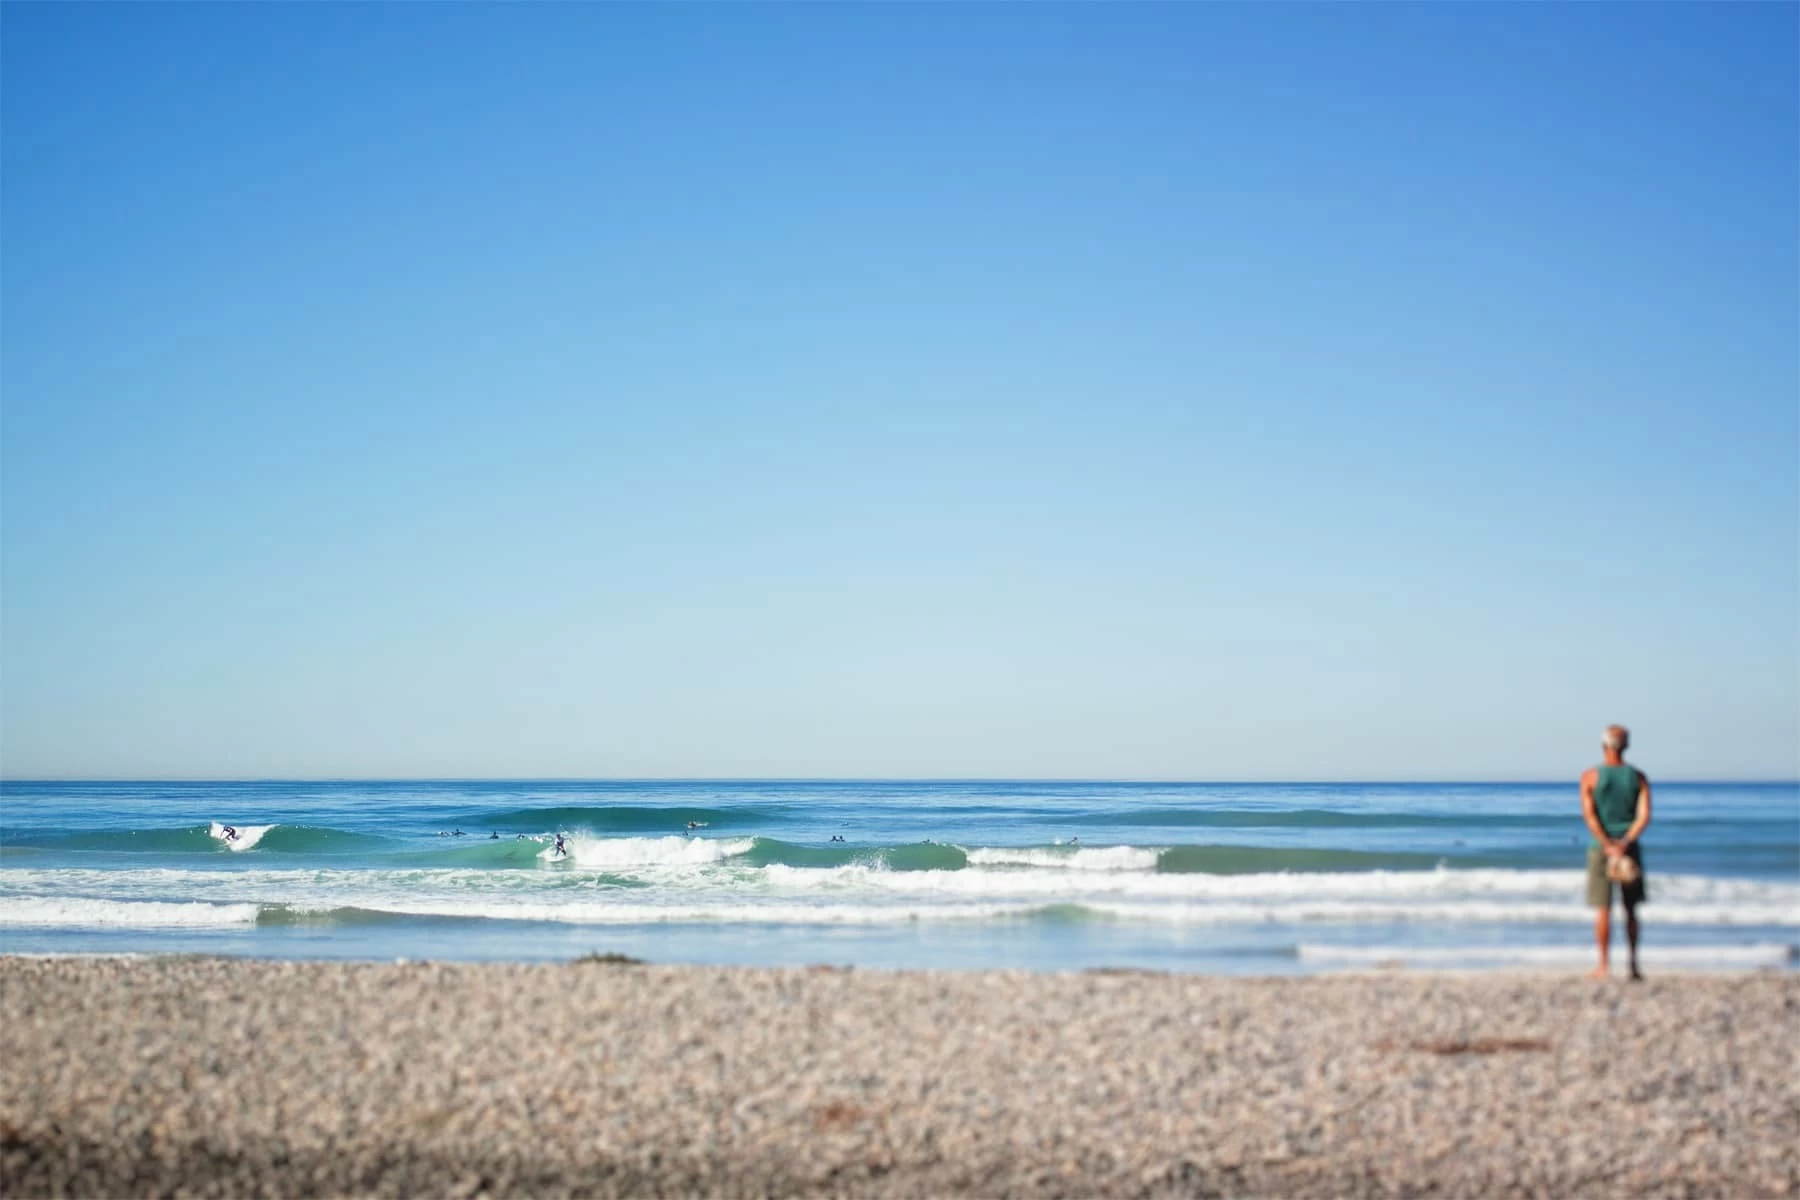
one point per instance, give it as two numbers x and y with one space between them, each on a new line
1600 888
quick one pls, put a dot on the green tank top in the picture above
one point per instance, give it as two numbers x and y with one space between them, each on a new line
1615 797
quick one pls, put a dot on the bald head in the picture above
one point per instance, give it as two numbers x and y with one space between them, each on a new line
1616 737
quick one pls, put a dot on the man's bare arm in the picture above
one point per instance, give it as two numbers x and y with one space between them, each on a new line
1642 820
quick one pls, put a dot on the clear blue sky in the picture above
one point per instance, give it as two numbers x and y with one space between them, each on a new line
1165 391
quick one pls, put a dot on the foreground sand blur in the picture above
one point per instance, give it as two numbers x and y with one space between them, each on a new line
232 1077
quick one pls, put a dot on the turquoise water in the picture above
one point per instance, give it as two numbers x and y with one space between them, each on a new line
1046 876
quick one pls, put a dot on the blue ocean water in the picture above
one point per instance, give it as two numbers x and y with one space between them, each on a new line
1256 878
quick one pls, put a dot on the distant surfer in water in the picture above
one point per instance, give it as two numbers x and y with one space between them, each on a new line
493 835
231 833
562 849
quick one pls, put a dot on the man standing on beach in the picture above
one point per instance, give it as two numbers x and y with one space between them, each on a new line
1615 802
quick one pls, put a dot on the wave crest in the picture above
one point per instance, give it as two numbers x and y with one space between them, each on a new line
642 852
1072 858
244 837
76 912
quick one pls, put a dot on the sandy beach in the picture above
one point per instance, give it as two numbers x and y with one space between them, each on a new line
200 1076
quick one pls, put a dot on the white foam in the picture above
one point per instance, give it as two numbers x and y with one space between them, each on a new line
1754 954
81 913
1072 858
247 835
1413 913
613 853
1753 900
633 913
723 886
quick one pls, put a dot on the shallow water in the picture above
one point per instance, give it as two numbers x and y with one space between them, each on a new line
1195 877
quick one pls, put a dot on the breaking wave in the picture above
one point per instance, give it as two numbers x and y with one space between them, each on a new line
80 913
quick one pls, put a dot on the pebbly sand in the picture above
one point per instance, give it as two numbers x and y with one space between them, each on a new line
177 1075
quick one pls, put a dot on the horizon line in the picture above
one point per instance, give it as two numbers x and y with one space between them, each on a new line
6 781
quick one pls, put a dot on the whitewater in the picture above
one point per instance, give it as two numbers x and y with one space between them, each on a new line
1045 876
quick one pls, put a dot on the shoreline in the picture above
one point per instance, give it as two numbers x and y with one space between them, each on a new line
1349 968
231 1076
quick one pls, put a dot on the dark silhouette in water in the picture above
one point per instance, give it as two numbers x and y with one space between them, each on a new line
231 833
562 850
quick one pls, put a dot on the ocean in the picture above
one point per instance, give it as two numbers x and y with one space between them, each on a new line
1218 878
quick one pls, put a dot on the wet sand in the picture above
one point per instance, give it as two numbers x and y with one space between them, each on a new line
229 1077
